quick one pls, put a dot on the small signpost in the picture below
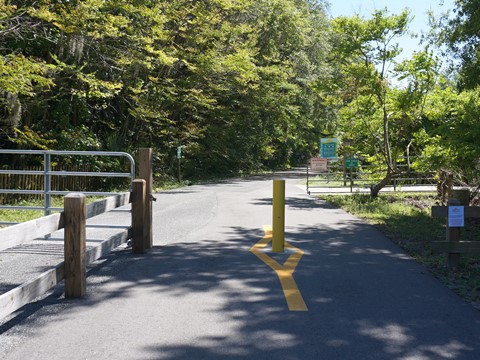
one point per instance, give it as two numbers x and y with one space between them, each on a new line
179 157
456 214
350 163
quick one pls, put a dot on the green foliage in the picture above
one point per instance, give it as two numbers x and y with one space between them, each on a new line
78 138
366 49
451 134
26 138
232 81
20 75
374 117
242 85
459 33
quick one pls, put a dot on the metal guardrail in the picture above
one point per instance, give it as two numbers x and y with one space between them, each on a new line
47 173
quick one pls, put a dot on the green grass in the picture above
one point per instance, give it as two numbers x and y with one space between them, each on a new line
405 219
19 216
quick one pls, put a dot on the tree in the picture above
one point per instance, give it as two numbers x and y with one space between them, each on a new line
460 34
450 135
20 75
232 81
366 52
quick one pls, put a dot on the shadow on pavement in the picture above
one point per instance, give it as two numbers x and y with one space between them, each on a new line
366 299
298 203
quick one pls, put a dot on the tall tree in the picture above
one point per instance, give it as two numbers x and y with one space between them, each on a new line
21 75
232 80
461 34
366 50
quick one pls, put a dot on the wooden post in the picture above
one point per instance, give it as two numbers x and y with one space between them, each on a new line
351 180
453 235
308 191
459 197
145 173
138 216
278 221
75 245
462 195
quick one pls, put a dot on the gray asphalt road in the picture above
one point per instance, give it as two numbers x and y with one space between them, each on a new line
201 294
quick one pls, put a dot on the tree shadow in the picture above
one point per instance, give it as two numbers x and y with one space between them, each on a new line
298 203
366 299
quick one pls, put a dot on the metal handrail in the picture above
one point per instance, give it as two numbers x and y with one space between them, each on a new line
47 173
64 173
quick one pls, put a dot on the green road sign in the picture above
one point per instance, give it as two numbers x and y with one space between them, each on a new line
179 152
351 163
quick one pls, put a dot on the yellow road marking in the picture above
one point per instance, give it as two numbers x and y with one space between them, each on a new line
284 272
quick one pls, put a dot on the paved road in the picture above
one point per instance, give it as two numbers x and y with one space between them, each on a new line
202 294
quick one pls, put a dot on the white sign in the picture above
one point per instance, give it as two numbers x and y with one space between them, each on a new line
319 164
456 216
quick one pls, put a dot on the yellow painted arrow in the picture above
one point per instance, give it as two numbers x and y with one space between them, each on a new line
284 272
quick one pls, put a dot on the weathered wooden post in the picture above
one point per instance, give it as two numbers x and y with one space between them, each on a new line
456 212
460 197
75 245
145 173
138 216
351 180
453 236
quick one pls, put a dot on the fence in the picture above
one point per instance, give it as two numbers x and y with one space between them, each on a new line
73 221
453 245
27 181
338 175
52 179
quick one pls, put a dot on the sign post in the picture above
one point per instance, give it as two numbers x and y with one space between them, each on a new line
351 163
179 157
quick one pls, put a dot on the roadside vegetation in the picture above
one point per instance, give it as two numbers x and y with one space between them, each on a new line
405 219
240 86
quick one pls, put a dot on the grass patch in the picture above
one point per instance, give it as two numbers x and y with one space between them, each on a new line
405 218
19 216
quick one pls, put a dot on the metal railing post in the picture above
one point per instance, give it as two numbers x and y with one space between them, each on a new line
47 180
48 175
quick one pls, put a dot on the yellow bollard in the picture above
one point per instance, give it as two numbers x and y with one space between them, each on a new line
278 223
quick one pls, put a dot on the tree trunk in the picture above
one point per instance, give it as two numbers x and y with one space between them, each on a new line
375 189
